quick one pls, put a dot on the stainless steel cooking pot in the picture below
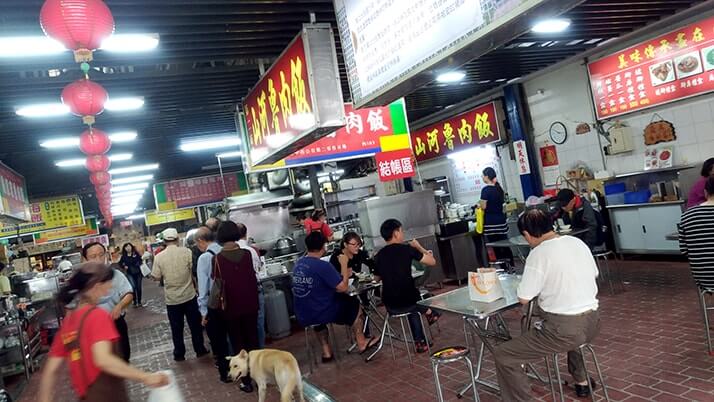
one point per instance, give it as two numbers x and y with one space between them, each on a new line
284 245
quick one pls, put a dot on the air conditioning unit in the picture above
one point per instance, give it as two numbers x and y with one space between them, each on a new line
620 140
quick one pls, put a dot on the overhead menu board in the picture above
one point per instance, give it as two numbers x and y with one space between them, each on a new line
478 126
668 68
154 218
13 194
90 228
367 132
298 100
196 191
387 43
47 215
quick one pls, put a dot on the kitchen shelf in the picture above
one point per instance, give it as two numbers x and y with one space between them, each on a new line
643 172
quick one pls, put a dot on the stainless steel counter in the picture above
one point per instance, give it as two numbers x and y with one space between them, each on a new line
646 204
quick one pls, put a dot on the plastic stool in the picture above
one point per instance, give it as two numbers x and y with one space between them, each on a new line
450 355
387 331
330 339
559 381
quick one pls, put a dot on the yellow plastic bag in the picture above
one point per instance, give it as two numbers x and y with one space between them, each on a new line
479 220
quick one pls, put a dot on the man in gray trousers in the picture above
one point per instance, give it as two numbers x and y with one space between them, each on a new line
561 272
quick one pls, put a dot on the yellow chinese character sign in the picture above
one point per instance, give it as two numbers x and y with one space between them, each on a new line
49 214
479 126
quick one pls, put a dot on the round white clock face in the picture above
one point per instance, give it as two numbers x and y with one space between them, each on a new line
558 133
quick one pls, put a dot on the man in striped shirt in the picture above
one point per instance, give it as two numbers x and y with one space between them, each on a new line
696 238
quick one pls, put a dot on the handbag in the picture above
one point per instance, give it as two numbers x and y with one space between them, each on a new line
479 220
217 296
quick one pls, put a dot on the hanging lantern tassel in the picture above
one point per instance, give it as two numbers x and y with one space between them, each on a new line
80 25
85 98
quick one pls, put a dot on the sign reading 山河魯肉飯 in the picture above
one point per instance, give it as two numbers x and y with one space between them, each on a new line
367 131
298 100
478 126
674 66
195 191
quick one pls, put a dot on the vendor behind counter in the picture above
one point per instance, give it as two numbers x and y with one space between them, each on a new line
317 221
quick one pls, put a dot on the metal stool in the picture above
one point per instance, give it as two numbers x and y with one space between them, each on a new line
450 355
388 332
603 255
330 338
557 379
705 311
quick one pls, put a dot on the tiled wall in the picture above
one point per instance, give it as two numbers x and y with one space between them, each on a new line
563 96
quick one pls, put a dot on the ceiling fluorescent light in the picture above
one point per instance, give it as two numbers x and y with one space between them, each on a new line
123 43
133 179
120 157
225 155
121 104
451 76
126 201
71 142
29 46
209 142
133 186
43 110
128 193
553 25
70 162
134 169
134 217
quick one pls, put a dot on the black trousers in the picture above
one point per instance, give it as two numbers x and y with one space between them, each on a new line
124 347
242 332
176 314
135 281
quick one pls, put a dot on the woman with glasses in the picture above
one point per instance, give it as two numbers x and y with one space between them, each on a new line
351 247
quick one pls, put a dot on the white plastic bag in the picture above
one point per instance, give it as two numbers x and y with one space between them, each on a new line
484 285
167 393
145 270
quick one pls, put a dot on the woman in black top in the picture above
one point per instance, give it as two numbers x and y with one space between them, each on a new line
130 261
495 227
351 246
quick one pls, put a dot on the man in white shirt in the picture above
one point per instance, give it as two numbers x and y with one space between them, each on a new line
562 274
257 265
65 265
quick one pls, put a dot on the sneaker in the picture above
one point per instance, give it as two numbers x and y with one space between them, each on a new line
582 391
421 347
179 358
202 353
226 380
247 388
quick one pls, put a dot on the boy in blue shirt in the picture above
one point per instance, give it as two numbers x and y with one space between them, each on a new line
319 296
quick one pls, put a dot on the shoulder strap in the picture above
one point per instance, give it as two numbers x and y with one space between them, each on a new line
82 369
216 271
211 251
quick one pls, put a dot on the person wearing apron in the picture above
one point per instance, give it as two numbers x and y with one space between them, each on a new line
87 340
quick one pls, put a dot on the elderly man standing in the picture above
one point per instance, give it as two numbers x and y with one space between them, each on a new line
173 265
257 264
561 272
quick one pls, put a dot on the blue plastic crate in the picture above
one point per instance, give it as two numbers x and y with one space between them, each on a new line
637 197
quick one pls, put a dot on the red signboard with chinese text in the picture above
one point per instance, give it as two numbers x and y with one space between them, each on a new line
478 126
184 193
298 100
13 194
671 67
393 165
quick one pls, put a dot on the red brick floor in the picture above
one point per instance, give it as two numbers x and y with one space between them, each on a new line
651 348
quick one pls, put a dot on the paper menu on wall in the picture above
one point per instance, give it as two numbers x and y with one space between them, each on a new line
467 173
658 158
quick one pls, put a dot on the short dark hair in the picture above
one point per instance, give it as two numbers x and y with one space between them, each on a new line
317 214
242 230
315 241
709 186
565 196
87 246
204 233
707 167
349 236
536 222
388 228
227 231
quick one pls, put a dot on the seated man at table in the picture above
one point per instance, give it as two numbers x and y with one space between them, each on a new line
320 296
580 215
394 269
562 274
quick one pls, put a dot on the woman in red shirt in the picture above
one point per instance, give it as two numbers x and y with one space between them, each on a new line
87 339
318 222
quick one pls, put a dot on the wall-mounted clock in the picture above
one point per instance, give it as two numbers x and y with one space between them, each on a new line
558 133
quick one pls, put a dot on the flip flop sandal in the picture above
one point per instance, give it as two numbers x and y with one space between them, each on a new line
373 341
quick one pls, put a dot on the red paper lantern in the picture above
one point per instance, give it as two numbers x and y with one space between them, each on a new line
100 178
98 163
85 98
103 188
80 25
94 142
